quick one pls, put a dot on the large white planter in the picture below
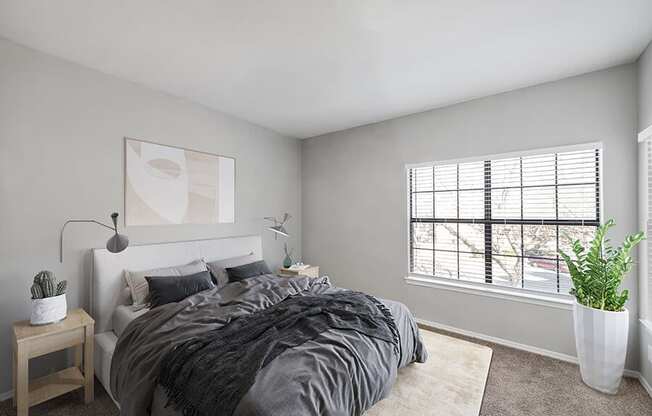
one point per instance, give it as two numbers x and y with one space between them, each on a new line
48 310
601 341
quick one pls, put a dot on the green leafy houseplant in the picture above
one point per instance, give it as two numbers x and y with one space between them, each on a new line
598 272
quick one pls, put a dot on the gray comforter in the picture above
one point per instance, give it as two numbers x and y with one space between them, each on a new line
339 373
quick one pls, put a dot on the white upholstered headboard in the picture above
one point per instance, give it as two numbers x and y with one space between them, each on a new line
108 268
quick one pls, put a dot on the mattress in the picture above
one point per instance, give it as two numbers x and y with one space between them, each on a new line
123 315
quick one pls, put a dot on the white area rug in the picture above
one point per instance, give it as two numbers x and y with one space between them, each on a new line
450 383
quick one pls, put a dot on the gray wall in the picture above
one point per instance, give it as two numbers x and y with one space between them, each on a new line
354 194
644 121
645 89
61 150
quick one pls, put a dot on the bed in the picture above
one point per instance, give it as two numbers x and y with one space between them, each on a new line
338 371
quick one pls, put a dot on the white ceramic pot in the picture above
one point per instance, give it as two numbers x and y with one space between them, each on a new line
48 310
601 341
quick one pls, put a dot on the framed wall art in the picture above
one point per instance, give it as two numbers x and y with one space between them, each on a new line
173 185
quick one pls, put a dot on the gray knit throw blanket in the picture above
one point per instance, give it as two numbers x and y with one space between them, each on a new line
209 374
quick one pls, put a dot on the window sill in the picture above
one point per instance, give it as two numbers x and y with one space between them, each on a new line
552 301
647 324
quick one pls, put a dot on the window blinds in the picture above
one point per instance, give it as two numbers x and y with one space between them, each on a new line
502 220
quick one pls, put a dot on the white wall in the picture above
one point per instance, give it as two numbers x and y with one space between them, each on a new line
354 194
61 150
645 121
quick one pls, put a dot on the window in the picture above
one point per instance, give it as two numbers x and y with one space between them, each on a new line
500 220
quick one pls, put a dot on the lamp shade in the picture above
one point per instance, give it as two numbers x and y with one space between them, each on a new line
117 243
279 225
279 229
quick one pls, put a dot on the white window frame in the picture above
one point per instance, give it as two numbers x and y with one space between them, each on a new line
555 300
644 277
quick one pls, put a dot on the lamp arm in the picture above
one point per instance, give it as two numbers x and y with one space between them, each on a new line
68 222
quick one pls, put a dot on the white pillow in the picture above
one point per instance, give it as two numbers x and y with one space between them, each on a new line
139 287
125 297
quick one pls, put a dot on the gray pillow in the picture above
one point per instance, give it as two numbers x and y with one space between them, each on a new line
168 289
138 284
218 267
246 271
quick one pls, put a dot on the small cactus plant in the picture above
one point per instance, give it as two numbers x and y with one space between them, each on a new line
61 287
45 285
37 292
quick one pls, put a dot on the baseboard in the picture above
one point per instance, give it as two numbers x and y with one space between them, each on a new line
500 341
524 347
645 384
6 395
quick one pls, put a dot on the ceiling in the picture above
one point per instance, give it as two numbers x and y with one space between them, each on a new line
308 67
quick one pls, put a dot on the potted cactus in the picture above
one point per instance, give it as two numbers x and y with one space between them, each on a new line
48 299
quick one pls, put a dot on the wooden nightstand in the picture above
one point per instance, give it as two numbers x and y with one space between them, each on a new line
76 331
312 271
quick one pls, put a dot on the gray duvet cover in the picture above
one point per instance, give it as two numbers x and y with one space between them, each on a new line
339 373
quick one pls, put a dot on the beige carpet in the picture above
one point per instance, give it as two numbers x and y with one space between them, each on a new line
451 382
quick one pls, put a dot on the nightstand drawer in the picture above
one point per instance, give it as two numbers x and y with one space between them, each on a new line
55 342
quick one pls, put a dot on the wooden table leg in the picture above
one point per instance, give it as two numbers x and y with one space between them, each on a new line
22 381
78 352
13 375
89 376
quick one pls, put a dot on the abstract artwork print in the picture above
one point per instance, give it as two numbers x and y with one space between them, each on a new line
171 185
